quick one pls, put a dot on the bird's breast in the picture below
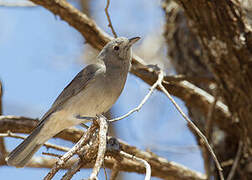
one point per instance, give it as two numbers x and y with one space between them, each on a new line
97 97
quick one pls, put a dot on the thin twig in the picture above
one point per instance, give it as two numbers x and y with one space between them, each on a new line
236 161
103 129
191 124
208 132
105 172
208 126
79 163
17 3
109 20
1 94
47 145
142 161
69 174
51 154
84 140
153 87
192 79
3 151
114 171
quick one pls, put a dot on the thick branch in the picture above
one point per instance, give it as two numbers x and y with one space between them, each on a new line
19 124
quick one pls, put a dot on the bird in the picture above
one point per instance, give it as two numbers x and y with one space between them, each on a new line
92 92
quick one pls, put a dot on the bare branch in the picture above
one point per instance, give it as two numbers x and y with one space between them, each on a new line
109 20
160 167
208 132
115 171
153 87
3 151
84 140
105 172
51 154
69 174
86 151
1 94
236 161
25 125
200 134
142 161
18 3
209 119
48 145
192 79
103 129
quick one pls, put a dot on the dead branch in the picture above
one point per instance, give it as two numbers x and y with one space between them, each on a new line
72 171
103 129
3 151
84 140
208 132
17 4
1 94
47 145
153 87
191 124
24 125
86 154
109 20
142 161
236 161
114 171
160 166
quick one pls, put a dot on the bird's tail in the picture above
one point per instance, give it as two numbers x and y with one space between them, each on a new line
24 152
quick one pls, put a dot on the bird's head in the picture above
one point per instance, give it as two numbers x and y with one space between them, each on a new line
119 48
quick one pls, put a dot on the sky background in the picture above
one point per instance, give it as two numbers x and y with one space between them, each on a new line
40 54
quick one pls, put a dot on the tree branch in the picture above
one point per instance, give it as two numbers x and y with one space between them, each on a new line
3 151
47 145
114 171
84 140
20 124
160 167
195 128
142 161
109 20
103 129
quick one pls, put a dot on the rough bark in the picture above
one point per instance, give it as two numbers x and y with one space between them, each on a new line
214 39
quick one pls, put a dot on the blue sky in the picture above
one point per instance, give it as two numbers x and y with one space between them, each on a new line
40 54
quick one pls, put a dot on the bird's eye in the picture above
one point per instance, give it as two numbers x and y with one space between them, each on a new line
116 48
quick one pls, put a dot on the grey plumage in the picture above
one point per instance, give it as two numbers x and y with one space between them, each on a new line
93 91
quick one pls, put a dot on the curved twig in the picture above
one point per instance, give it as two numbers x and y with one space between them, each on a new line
142 161
236 161
153 87
109 20
191 124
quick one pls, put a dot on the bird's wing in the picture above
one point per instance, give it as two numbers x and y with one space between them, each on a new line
80 81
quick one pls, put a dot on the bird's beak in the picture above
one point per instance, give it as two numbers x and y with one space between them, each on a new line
133 40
